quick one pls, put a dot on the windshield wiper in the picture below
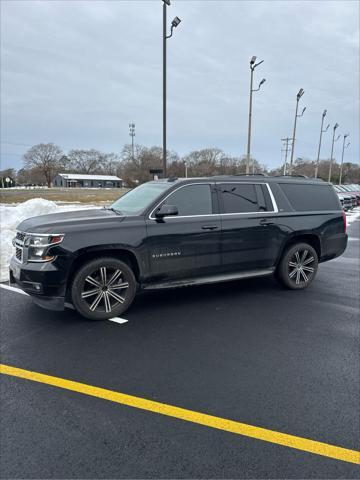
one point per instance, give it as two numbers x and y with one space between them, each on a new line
114 210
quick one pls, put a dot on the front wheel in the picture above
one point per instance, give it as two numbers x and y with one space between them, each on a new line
298 266
103 288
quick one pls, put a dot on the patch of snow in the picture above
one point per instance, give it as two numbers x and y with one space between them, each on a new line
12 214
352 215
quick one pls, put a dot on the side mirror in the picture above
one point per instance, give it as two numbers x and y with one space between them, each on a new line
166 211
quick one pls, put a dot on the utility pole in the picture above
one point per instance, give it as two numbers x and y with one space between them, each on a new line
287 141
298 96
332 149
342 156
132 135
165 4
253 65
175 23
321 132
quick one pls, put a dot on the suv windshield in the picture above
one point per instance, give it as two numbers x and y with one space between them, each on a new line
137 200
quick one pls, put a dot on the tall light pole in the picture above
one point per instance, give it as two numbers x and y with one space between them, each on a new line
298 96
286 150
332 149
174 24
253 65
321 132
342 156
132 135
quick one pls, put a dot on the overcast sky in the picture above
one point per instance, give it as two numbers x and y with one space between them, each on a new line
76 72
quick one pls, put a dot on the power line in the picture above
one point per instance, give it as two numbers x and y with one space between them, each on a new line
16 144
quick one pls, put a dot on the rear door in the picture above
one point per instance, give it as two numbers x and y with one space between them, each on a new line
186 245
250 237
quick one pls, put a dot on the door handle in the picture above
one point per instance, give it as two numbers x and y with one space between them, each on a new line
209 227
264 222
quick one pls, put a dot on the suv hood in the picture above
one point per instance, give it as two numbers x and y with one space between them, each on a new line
68 221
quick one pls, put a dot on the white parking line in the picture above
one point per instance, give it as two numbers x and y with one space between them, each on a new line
118 320
13 289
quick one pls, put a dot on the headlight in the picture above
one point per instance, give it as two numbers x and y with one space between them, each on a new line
38 246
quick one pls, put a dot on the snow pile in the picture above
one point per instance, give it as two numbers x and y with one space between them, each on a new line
352 215
12 214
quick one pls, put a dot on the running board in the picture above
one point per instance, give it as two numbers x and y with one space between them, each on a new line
227 277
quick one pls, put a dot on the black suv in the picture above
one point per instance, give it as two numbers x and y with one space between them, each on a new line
177 232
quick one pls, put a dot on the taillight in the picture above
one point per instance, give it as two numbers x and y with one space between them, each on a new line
345 225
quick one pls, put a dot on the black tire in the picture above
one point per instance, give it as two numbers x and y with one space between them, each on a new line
298 266
103 288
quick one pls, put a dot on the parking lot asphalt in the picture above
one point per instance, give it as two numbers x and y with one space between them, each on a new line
248 351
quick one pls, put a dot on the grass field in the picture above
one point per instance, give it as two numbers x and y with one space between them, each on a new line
84 195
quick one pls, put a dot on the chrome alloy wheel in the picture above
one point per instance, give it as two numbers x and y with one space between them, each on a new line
301 267
104 289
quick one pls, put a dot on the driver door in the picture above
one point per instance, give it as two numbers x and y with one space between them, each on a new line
186 245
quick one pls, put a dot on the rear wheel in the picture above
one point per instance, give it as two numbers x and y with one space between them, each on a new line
103 288
298 266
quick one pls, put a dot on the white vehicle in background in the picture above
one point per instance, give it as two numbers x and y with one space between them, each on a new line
348 199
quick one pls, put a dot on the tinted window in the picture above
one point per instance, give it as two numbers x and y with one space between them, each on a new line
239 198
192 200
310 197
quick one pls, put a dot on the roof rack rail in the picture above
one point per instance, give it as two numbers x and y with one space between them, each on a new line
299 175
250 174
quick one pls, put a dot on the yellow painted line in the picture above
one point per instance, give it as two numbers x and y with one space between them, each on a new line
238 428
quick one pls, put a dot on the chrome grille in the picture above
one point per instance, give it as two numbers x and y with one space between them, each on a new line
18 254
18 243
20 236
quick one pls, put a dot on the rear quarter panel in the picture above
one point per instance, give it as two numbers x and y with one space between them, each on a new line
327 226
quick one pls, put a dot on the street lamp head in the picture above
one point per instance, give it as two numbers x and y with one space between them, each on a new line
302 113
346 146
253 60
336 126
324 113
346 135
176 22
167 2
262 82
337 137
327 128
300 93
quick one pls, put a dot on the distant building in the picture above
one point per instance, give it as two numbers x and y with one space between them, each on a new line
78 180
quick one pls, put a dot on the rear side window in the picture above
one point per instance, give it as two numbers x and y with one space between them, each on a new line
310 197
240 198
192 200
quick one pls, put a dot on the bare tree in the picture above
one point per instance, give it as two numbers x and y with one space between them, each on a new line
110 163
351 173
136 169
32 176
213 161
46 157
86 161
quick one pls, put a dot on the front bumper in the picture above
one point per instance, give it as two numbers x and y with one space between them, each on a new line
44 301
41 279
